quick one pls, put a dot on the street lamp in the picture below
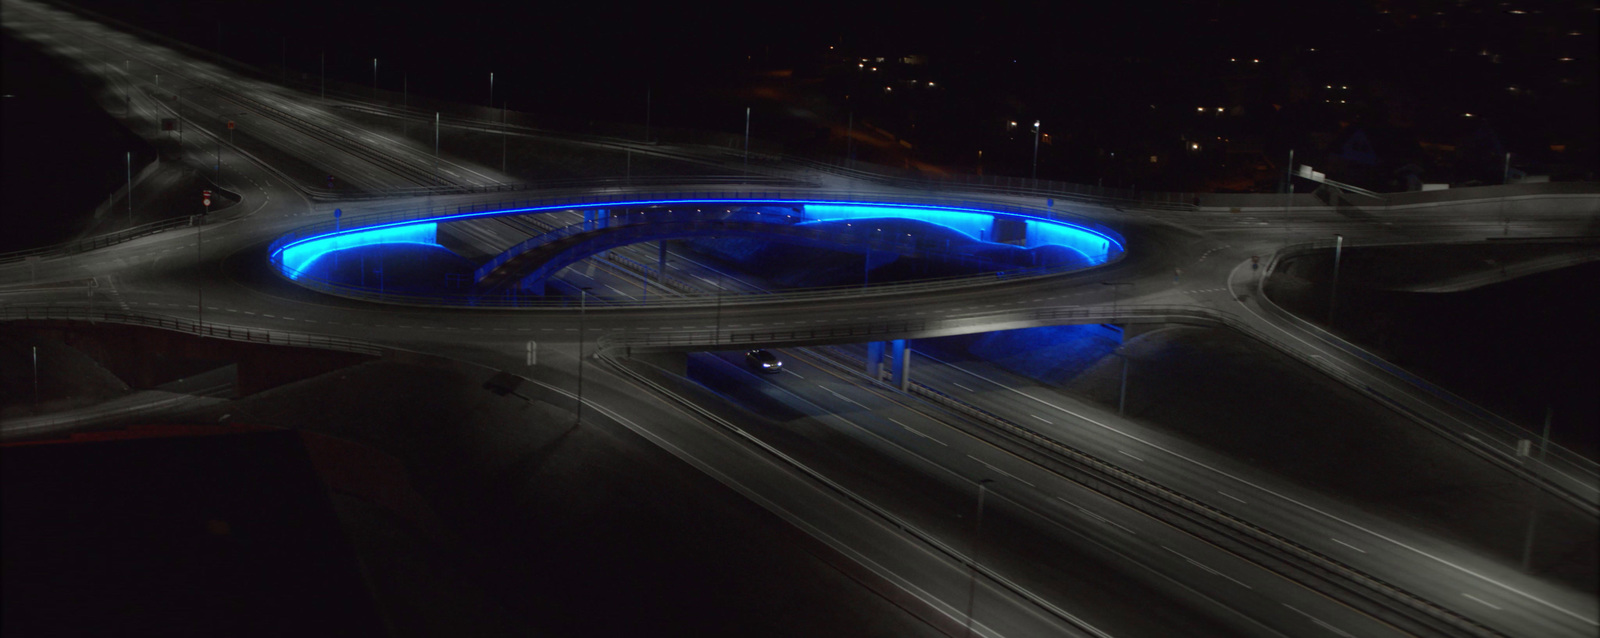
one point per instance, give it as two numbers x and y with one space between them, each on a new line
1036 150
491 89
374 79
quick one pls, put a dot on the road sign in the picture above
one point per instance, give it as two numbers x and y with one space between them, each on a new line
230 125
205 198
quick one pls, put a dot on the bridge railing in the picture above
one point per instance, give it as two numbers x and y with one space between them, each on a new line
100 241
1282 555
178 324
1560 462
567 201
1567 473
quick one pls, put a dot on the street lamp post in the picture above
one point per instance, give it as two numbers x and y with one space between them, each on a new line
747 139
1036 150
1122 396
1333 290
850 139
199 276
583 303
977 539
491 89
1288 191
717 338
374 79
130 189
1115 296
322 73
1533 515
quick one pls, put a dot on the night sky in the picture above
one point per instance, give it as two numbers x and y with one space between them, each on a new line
1104 76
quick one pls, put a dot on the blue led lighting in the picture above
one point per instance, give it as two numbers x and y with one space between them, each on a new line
299 256
1098 247
1093 246
979 226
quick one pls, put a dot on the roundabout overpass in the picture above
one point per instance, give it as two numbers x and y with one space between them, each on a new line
238 276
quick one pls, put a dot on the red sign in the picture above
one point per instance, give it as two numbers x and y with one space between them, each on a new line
230 125
205 198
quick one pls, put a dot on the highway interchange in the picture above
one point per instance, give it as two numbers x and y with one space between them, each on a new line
895 486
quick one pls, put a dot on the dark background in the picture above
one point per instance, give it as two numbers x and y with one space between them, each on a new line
1104 77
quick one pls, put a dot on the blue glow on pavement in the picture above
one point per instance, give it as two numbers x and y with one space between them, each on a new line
978 226
1097 247
299 256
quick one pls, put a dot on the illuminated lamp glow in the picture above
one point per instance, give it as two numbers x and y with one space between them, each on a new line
299 256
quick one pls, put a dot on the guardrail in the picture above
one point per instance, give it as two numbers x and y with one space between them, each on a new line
213 330
849 495
1575 468
1332 576
100 241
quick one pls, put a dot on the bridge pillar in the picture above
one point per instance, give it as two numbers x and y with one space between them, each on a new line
874 358
900 365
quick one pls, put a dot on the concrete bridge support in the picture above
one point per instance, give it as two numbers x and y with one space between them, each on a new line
900 365
874 358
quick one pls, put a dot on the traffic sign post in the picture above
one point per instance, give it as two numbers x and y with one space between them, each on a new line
205 200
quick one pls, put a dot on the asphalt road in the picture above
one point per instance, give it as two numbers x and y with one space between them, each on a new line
227 282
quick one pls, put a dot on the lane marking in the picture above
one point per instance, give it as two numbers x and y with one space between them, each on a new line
841 397
1204 567
1097 516
1485 602
1232 497
1348 545
980 462
1042 419
916 432
962 387
1131 456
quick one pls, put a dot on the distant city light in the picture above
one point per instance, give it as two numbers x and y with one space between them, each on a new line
1194 146
1219 109
1466 115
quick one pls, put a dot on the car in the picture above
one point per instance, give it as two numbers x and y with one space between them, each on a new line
763 361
